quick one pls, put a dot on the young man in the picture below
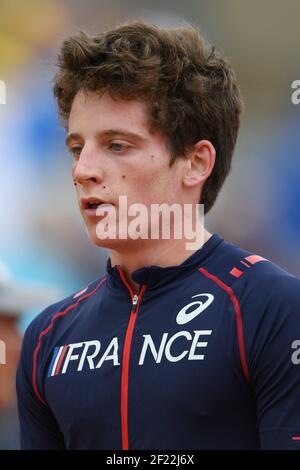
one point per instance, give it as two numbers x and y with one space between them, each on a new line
172 348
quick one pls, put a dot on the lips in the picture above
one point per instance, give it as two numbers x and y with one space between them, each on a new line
90 205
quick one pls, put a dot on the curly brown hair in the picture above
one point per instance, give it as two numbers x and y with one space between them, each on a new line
191 92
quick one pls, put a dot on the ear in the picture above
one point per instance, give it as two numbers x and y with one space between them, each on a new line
200 162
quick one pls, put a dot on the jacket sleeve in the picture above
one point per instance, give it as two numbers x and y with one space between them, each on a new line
39 429
271 317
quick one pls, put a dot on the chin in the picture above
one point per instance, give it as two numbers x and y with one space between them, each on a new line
117 244
109 243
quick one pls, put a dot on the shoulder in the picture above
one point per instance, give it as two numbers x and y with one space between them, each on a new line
251 276
43 322
266 301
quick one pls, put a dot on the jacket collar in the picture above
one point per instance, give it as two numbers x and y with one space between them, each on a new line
153 276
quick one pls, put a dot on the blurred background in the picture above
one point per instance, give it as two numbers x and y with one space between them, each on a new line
42 238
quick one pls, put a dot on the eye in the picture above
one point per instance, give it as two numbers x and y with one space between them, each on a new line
118 146
75 151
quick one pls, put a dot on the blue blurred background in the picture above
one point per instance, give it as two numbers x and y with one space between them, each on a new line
42 237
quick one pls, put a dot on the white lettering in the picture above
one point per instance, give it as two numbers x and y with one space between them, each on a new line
171 358
2 92
295 98
70 356
296 354
114 356
96 344
196 344
148 341
2 353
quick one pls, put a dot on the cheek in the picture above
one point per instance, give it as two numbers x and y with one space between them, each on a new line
73 169
146 182
73 177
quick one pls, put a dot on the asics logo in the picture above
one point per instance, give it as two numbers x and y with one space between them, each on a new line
183 317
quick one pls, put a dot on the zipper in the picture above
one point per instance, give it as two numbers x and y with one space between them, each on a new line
135 302
125 368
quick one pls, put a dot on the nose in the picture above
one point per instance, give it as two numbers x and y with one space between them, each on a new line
88 167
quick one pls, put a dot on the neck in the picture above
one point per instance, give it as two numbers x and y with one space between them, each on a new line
162 253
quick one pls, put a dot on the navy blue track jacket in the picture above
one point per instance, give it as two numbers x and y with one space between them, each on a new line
206 356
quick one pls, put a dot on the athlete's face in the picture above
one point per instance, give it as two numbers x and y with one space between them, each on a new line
115 154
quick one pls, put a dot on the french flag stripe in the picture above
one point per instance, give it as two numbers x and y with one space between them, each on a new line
55 352
56 360
61 358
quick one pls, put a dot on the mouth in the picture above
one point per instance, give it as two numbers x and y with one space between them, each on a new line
90 205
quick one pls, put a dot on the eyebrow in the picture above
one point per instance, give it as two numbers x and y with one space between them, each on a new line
109 133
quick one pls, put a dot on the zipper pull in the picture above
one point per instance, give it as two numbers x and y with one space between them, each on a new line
134 302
